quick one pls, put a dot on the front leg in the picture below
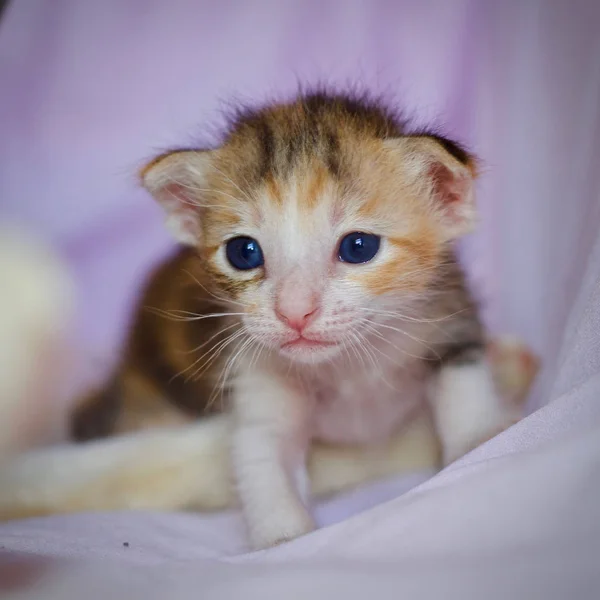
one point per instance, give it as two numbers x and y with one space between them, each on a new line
468 404
269 445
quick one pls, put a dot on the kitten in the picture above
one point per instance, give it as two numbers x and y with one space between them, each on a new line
318 299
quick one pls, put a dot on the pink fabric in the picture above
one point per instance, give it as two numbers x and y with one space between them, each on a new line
89 90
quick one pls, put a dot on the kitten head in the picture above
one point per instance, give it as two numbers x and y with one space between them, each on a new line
316 215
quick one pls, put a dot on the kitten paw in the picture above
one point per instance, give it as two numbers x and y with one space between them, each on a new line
514 367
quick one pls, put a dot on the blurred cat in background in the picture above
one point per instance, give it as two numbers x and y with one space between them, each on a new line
36 309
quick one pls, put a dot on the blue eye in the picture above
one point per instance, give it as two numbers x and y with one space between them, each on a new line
244 253
358 247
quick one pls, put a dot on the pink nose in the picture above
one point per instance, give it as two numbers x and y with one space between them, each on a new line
297 319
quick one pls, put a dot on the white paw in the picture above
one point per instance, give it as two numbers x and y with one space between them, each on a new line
470 409
282 526
513 367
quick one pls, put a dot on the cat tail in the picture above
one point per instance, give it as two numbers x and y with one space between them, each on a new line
36 309
183 468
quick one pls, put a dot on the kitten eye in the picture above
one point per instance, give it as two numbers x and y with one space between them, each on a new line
358 247
244 253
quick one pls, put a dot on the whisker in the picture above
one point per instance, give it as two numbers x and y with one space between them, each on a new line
370 347
405 317
367 325
211 349
212 337
401 331
228 366
216 350
345 350
352 346
356 415
225 300
366 346
290 363
437 266
221 383
188 316
261 348
431 322
355 346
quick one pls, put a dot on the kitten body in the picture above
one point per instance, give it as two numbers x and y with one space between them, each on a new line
276 316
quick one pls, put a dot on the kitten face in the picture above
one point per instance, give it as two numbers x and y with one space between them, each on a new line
305 297
314 223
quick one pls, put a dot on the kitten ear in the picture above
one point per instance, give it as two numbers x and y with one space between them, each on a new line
445 173
176 180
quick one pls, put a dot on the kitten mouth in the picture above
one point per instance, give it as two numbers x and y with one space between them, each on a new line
305 343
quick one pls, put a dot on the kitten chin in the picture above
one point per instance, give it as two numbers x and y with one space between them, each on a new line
309 351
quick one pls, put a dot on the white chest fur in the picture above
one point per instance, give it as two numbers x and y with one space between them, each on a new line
366 407
366 401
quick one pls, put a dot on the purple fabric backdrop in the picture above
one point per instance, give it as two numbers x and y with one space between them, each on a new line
89 90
